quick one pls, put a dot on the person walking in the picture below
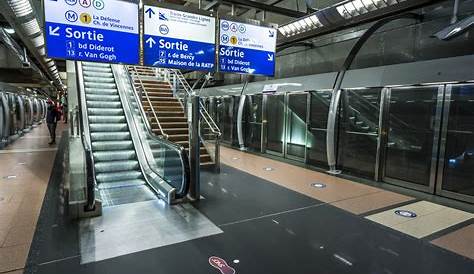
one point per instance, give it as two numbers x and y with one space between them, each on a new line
52 117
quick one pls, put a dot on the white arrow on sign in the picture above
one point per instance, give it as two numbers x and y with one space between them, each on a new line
54 31
270 57
150 41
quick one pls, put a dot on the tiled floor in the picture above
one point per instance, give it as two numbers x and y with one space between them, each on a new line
354 197
460 241
21 196
430 218
360 199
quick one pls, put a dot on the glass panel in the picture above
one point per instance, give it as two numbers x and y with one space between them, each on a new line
235 111
296 138
459 155
410 136
320 101
252 124
275 122
227 119
358 131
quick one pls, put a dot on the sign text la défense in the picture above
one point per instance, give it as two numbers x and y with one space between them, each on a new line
178 39
92 30
246 48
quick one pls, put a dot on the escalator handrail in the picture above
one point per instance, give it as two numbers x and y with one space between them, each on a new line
177 148
86 138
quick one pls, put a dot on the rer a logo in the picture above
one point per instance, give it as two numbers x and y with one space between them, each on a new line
98 4
85 3
71 16
164 29
233 27
71 2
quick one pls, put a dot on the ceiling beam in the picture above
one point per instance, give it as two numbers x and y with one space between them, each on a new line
266 7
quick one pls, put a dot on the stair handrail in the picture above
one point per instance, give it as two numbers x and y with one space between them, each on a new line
150 134
189 91
86 139
137 75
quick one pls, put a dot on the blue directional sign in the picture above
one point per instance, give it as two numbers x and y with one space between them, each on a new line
178 39
245 48
92 30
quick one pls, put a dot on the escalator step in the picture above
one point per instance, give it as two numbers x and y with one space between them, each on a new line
105 111
107 119
102 91
115 166
98 74
100 85
118 184
95 79
110 136
103 97
118 176
107 156
112 145
108 127
103 104
97 69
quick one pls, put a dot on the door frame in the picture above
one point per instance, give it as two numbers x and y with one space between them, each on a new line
286 122
442 152
382 152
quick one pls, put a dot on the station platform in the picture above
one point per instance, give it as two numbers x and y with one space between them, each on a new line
25 169
267 217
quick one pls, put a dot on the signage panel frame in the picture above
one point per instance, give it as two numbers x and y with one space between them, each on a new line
138 34
247 21
179 8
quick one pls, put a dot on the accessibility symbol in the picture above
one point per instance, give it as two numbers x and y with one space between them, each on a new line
86 18
71 16
71 2
98 4
234 40
85 3
225 39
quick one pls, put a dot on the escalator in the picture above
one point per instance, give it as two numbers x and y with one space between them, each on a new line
126 169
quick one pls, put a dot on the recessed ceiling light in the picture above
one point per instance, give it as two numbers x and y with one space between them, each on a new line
9 30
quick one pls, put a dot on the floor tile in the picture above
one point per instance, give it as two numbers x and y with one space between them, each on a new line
295 178
370 202
13 258
18 235
460 241
430 218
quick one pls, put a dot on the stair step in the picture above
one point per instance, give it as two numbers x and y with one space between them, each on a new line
119 184
102 104
108 127
105 111
115 166
102 91
107 156
106 119
118 176
95 79
170 114
112 145
110 136
102 97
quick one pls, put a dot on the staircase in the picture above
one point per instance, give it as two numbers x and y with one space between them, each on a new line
115 161
171 121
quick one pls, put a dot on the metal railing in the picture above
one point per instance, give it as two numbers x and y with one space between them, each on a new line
208 127
136 75
86 140
171 148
